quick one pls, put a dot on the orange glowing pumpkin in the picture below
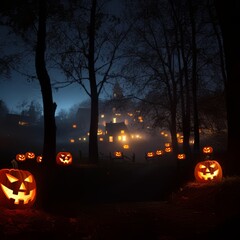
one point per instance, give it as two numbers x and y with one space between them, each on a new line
208 170
207 149
150 154
39 159
159 152
118 154
167 144
30 155
20 157
64 158
17 188
181 156
168 149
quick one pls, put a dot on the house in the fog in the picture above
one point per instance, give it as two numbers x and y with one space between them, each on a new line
117 132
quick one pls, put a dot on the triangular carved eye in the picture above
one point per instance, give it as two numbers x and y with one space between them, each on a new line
29 179
11 178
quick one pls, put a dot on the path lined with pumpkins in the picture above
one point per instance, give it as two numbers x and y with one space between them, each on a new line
196 209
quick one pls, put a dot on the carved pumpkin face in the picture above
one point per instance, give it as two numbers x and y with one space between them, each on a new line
126 146
168 149
181 156
150 154
30 155
64 158
208 170
159 152
118 154
17 188
207 149
39 159
167 144
20 157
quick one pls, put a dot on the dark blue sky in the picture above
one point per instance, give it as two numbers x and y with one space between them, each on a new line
17 89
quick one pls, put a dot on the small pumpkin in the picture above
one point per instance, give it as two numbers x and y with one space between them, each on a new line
207 149
208 170
39 159
17 188
181 156
118 154
167 144
20 157
30 155
64 158
150 154
159 152
168 149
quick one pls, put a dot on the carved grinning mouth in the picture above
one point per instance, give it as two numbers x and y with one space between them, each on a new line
21 196
208 175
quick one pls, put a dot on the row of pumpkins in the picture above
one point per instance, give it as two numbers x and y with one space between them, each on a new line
62 158
205 171
18 187
19 190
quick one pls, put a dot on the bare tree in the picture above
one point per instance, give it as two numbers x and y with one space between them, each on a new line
228 15
89 51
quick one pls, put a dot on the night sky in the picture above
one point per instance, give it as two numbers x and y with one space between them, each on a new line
17 89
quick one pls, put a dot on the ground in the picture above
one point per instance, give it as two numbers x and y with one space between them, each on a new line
194 211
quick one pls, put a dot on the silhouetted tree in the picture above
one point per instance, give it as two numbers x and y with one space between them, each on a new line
88 54
229 18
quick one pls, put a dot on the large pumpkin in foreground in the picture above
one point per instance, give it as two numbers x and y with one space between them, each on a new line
17 188
208 170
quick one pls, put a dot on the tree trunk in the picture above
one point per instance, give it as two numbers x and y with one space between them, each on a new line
228 14
49 144
194 80
93 140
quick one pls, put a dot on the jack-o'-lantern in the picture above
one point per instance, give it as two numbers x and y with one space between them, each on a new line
167 144
17 188
150 154
118 154
208 170
39 159
30 155
168 149
20 157
126 146
207 149
159 152
181 156
64 158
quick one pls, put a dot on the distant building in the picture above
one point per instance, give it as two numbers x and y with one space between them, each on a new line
117 132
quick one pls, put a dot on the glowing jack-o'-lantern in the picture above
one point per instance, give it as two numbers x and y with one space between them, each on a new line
167 144
126 146
207 149
30 155
39 159
208 170
181 156
17 188
159 152
168 149
20 157
64 158
118 154
150 154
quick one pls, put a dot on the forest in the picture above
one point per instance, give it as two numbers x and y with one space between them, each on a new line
175 61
